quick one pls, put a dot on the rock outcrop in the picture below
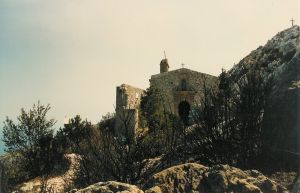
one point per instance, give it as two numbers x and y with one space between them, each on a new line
55 183
296 187
180 178
196 178
287 179
279 59
110 187
223 178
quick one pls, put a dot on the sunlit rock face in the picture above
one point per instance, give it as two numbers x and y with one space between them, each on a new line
279 58
110 187
193 177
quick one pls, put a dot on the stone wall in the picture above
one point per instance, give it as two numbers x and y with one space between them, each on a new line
127 121
128 99
181 85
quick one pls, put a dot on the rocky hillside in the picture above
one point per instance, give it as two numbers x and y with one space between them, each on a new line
192 177
280 59
275 57
55 183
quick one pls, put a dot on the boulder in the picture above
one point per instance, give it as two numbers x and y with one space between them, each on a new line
196 178
110 187
223 178
192 177
287 179
180 178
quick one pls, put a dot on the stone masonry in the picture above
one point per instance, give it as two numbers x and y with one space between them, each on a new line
181 85
180 89
128 99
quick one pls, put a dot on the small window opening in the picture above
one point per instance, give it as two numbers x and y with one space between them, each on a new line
183 85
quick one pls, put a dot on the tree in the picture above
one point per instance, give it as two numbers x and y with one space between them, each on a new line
104 155
254 89
108 122
207 140
153 109
229 120
31 138
73 134
164 126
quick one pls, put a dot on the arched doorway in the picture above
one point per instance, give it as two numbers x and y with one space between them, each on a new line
184 112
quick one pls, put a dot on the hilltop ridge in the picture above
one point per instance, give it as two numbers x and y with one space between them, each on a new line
279 60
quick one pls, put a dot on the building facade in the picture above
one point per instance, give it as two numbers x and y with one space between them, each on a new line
180 90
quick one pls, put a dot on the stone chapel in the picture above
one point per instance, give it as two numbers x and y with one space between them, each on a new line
180 90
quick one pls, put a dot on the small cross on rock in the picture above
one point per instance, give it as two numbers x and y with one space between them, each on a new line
182 65
292 20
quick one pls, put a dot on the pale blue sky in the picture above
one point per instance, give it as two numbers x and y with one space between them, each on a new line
73 53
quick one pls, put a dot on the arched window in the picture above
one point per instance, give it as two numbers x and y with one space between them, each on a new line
183 85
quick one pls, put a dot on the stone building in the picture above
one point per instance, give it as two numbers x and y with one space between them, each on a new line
180 90
128 99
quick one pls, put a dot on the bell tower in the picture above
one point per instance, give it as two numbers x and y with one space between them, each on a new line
164 65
